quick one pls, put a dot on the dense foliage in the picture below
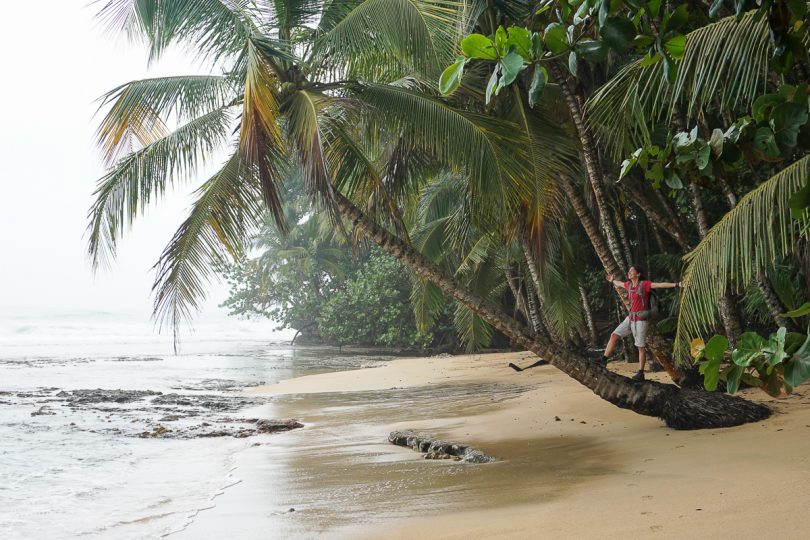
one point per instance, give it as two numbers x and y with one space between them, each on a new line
481 144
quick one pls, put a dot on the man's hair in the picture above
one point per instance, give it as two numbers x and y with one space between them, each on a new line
639 270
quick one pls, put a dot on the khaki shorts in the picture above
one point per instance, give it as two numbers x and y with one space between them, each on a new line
637 328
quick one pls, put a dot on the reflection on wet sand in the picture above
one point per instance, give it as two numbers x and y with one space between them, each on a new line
340 471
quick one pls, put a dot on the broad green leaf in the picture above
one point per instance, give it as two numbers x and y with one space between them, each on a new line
555 38
627 165
451 77
715 348
711 374
797 369
572 63
478 46
786 119
798 8
762 106
673 180
521 40
653 6
676 20
804 309
511 66
537 46
798 203
591 50
749 348
656 172
704 152
765 142
501 42
492 84
618 33
539 80
716 142
733 376
651 59
676 46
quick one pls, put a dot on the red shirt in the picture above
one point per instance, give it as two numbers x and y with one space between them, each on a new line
639 299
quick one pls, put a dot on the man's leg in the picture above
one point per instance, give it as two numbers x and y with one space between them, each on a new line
611 345
642 358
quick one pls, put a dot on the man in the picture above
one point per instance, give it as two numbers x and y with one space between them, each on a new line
638 292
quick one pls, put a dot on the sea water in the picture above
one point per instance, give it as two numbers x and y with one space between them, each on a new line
76 467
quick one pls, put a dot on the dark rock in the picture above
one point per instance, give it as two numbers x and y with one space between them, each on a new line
273 426
438 449
44 411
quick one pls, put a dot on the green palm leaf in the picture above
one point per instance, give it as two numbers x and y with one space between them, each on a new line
215 28
138 108
725 64
227 209
135 180
259 135
421 34
490 151
752 237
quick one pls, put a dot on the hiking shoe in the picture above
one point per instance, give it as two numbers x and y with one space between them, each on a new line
639 376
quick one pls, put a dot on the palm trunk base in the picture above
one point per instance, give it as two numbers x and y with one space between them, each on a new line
698 409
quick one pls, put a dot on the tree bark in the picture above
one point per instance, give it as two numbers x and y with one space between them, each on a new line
591 162
665 220
593 335
520 303
772 301
533 289
679 408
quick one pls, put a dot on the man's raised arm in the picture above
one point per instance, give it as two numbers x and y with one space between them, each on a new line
666 285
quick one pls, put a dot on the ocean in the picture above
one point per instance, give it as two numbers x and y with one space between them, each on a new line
85 402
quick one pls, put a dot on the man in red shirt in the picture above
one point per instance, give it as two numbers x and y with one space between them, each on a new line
638 291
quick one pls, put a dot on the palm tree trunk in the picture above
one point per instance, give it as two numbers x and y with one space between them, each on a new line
666 219
593 335
731 322
772 301
591 162
598 241
679 408
533 288
520 302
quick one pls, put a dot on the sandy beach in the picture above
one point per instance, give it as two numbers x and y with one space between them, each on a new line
591 470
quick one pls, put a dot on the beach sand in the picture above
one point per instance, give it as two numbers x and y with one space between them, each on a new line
606 472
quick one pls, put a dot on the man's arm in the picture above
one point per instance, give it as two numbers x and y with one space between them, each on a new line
665 285
615 282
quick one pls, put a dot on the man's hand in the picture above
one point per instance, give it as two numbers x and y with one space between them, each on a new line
610 278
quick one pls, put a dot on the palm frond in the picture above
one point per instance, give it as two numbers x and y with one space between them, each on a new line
259 136
214 28
725 64
421 34
131 184
427 302
489 151
752 237
139 109
228 207
303 111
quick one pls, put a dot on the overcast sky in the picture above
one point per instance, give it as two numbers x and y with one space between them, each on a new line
56 61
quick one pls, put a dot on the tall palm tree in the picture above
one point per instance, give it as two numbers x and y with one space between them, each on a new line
302 84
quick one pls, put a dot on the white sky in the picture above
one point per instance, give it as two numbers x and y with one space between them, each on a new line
56 60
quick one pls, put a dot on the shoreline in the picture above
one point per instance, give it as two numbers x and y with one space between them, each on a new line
608 472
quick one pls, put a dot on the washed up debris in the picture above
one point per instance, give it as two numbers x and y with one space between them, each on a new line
438 449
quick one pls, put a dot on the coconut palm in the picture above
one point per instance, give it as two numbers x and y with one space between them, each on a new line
299 83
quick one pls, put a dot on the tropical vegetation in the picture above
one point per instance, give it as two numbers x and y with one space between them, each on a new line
509 154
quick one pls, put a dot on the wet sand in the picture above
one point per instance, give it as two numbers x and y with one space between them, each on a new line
570 465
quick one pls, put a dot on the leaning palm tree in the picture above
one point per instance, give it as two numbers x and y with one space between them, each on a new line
291 90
